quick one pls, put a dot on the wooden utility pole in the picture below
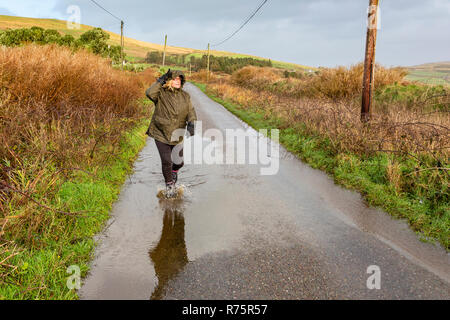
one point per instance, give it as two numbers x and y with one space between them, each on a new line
164 53
122 42
207 67
369 62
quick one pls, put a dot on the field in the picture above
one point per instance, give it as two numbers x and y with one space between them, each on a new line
431 73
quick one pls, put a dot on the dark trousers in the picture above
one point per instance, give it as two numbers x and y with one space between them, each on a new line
165 152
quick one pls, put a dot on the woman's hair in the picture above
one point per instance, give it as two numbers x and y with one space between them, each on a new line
168 84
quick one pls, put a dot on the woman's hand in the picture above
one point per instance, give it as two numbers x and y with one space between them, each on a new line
190 128
165 77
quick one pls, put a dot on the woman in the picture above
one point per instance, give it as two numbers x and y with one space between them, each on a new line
173 111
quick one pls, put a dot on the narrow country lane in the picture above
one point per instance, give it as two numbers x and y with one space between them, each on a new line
241 235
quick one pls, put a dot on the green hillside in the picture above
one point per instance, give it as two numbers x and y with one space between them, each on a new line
431 73
133 48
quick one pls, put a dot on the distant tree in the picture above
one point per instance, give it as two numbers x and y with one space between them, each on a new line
94 35
94 40
50 36
154 57
38 34
67 40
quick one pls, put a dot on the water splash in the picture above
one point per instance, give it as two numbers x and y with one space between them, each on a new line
180 191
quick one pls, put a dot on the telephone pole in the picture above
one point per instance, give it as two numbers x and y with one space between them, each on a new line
122 42
164 53
369 62
207 67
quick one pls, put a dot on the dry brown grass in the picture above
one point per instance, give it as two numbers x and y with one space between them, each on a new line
332 83
52 99
397 129
59 112
326 104
255 77
201 76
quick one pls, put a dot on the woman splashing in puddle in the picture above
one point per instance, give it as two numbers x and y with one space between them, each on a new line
173 110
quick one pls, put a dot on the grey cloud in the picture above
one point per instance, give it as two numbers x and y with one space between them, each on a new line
310 32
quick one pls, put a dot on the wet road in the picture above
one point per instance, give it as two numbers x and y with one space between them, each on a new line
241 235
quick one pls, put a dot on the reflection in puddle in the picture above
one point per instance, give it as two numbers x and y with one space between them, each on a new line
169 256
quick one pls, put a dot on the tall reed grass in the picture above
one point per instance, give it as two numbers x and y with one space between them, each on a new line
61 113
332 83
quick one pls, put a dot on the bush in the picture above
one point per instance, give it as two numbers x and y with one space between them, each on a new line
94 35
415 96
254 77
294 74
68 40
56 107
217 64
332 83
154 57
202 76
95 40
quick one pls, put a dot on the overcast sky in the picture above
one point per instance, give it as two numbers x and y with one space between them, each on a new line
309 32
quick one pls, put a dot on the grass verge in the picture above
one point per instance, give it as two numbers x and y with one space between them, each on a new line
367 175
42 272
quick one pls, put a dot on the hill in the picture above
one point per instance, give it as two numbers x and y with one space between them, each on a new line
432 73
133 48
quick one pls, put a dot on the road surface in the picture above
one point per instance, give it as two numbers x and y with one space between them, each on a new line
238 234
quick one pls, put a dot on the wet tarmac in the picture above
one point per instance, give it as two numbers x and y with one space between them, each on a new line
238 234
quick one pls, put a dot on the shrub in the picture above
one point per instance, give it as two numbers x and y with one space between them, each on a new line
414 96
332 83
56 103
95 40
218 64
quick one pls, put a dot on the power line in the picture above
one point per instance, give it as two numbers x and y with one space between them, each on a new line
245 22
93 1
256 10
122 40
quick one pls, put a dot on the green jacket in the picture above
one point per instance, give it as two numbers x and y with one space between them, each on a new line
173 109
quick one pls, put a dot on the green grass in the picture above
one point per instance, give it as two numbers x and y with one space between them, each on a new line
135 67
42 272
275 63
368 176
412 95
429 77
431 73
